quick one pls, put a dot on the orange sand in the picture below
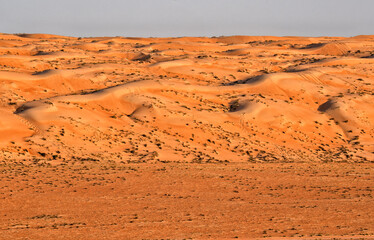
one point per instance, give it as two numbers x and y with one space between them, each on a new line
146 102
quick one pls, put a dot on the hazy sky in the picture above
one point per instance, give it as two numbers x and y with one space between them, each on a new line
163 18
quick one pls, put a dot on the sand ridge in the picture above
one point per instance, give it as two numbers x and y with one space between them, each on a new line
188 99
250 137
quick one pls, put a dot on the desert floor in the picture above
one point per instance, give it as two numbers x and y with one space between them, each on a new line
157 138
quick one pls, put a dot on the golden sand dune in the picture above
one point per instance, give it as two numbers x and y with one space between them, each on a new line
189 99
198 138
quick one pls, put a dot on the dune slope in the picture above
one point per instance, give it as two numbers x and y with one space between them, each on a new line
229 99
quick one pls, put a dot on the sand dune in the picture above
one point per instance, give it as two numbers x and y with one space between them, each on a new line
231 92
223 137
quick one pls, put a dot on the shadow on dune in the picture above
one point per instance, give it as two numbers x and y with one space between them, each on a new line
325 106
21 109
293 70
313 45
41 53
141 57
371 56
42 72
251 80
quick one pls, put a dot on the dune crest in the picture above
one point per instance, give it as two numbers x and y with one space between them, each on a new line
225 99
248 137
